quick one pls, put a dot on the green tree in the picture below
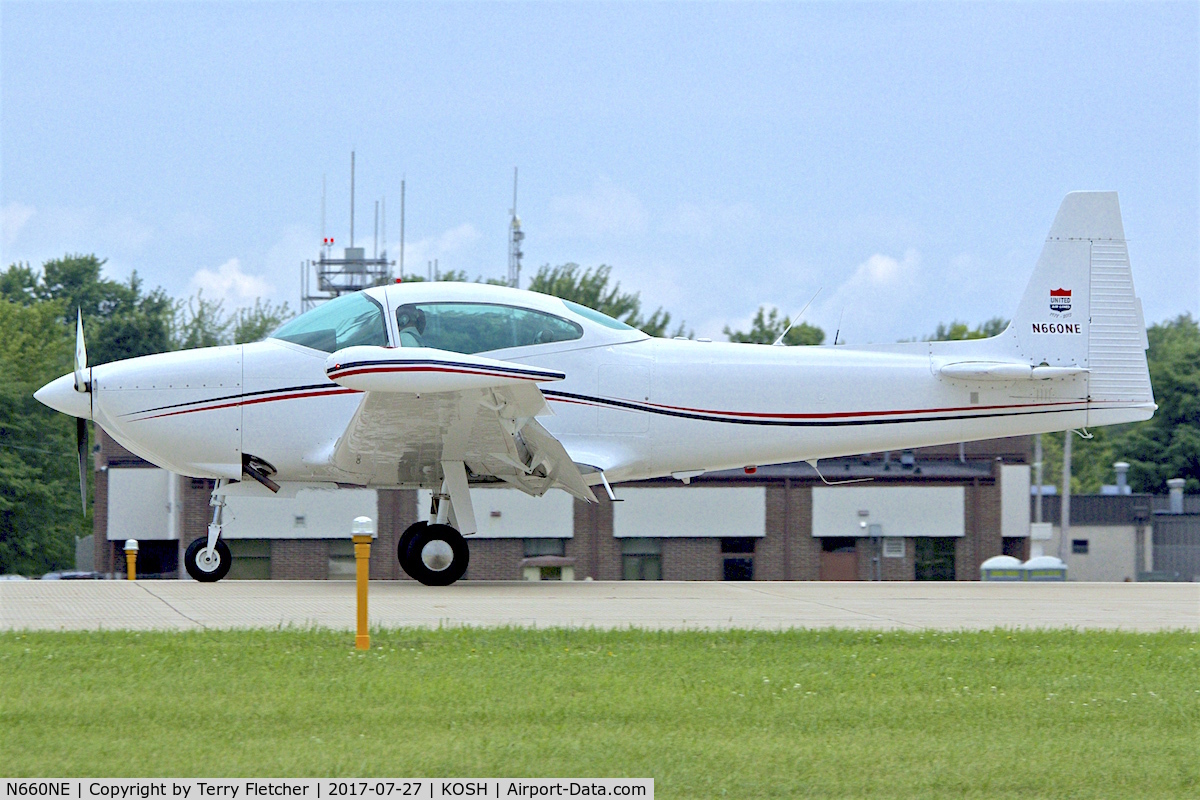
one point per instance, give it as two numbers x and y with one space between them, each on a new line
199 322
455 275
956 330
766 328
120 319
1163 447
39 494
590 287
256 323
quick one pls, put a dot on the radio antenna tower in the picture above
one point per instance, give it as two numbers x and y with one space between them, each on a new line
515 237
353 270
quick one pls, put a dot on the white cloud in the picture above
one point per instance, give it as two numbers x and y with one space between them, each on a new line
35 234
14 216
229 283
443 247
605 210
703 221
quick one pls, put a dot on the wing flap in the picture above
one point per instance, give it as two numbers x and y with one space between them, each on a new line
403 438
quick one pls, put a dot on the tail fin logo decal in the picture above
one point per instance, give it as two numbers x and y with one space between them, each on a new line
1060 300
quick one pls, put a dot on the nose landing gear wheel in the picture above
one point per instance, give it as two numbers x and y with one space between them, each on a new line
204 568
436 555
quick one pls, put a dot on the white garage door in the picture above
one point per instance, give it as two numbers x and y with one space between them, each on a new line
900 510
691 511
139 504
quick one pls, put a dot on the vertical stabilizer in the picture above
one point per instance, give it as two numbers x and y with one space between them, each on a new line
1080 309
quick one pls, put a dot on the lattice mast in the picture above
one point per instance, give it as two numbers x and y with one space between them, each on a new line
515 237
354 270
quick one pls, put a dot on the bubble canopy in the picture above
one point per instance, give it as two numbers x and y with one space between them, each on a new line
352 319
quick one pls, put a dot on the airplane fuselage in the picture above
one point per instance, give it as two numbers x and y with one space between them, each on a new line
635 409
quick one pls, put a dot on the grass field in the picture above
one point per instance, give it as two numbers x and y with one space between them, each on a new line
730 714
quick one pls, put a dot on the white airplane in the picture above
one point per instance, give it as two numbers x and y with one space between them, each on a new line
450 386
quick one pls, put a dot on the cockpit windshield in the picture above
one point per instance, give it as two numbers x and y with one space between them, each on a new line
342 322
596 316
479 327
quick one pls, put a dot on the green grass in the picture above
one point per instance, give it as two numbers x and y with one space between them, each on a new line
737 714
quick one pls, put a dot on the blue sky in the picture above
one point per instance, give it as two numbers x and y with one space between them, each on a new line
906 160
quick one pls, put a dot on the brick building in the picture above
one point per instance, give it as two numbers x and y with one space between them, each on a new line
932 514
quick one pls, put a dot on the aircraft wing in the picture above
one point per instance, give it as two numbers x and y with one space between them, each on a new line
425 406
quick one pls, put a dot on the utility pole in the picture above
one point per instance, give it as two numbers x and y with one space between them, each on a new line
1065 524
1037 473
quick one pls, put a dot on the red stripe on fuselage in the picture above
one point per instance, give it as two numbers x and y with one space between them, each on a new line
629 405
255 401
851 414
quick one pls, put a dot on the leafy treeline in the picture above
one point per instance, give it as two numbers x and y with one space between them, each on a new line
767 328
39 485
1164 447
40 513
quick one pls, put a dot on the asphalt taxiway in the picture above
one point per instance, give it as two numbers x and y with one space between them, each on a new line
179 605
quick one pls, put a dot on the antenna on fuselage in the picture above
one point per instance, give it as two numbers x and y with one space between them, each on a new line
839 327
792 322
812 462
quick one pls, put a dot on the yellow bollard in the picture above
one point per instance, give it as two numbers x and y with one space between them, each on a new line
362 532
131 550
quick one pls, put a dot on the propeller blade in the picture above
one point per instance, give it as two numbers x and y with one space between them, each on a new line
81 444
80 355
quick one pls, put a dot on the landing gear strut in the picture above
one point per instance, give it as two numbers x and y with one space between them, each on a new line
434 554
208 559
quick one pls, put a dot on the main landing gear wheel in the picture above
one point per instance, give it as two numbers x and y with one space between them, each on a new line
436 555
406 540
204 568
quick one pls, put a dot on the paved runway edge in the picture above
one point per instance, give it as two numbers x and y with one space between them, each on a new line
763 605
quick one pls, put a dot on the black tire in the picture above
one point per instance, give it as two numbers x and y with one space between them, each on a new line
424 563
191 561
402 546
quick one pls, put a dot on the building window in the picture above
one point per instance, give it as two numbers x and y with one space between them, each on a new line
837 544
545 547
341 560
1079 546
251 559
641 559
934 558
741 568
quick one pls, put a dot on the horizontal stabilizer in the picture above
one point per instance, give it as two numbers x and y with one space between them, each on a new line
425 370
1005 371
